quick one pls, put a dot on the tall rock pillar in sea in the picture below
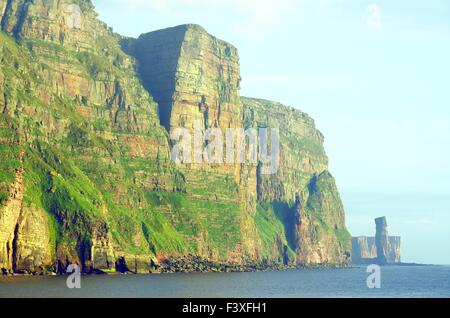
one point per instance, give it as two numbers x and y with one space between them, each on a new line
382 249
382 240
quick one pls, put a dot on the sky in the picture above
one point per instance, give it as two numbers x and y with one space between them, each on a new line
375 76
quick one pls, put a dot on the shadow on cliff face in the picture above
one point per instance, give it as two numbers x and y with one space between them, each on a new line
288 216
156 68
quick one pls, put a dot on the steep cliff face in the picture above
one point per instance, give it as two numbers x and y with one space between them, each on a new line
194 77
76 98
196 84
86 175
314 216
11 191
301 155
363 248
24 236
203 78
395 255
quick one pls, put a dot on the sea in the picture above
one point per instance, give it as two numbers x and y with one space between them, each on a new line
394 282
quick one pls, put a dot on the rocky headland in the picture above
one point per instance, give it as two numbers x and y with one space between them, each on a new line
86 175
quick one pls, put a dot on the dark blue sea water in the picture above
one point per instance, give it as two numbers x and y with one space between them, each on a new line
396 281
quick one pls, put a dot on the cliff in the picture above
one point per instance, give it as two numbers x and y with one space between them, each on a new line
86 175
395 255
204 78
363 249
381 249
302 192
91 139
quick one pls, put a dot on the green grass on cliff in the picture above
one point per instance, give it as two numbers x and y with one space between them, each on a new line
143 229
274 221
273 230
9 155
56 185
270 229
325 207
96 65
218 222
343 236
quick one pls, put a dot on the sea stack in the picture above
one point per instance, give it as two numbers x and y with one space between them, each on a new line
382 240
381 249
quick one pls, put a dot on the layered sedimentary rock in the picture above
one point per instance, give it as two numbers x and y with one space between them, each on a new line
203 77
381 249
11 195
195 79
86 175
193 76
315 217
395 255
363 248
90 135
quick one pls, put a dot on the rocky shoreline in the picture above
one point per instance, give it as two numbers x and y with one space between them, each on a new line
193 264
199 265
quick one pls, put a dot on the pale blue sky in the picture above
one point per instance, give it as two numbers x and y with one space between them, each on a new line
378 88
